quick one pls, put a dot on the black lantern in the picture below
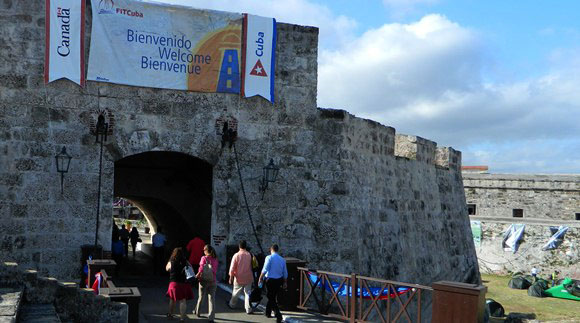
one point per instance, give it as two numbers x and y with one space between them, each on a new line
269 176
62 165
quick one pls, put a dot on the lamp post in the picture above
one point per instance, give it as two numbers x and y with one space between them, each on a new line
270 174
101 131
62 165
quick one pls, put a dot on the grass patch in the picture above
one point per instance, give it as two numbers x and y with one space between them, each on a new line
516 300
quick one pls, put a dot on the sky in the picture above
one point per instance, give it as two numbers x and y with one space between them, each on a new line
498 80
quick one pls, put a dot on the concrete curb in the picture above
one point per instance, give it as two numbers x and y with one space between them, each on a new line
286 318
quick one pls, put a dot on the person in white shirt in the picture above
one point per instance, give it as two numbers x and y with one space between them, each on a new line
158 251
534 272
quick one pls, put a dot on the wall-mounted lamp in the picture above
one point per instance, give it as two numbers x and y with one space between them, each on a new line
62 165
269 176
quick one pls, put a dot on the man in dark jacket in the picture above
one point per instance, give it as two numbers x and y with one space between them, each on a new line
124 235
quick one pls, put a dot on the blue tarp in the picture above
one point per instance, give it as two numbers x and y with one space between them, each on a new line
346 289
556 239
512 236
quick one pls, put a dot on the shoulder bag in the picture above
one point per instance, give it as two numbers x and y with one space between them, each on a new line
189 273
207 273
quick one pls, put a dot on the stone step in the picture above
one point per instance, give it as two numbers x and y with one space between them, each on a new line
10 300
37 313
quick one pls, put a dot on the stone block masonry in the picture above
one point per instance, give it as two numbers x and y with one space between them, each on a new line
352 195
73 304
539 202
541 197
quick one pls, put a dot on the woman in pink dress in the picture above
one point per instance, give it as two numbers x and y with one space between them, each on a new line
208 266
179 290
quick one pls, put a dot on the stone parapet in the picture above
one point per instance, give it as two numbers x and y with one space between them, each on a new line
448 157
554 182
371 138
550 197
71 302
416 148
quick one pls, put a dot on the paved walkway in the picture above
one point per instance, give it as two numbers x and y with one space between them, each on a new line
154 304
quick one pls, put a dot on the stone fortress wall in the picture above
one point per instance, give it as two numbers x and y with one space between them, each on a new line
545 200
352 195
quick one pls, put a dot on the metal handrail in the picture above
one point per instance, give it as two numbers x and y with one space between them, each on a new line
323 272
379 280
358 308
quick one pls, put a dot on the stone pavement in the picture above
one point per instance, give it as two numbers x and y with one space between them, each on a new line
9 304
154 303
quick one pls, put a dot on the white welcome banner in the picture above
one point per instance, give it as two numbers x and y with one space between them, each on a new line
64 52
151 44
259 60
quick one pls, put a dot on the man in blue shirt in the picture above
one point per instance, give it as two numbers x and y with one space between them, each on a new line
158 241
276 275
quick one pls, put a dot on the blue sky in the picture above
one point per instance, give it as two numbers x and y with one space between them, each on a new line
521 34
498 80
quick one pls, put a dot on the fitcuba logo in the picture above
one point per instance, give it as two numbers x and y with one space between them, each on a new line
108 7
63 18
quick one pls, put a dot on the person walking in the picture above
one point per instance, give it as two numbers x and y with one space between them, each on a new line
115 233
534 272
554 277
241 276
275 274
124 235
178 290
117 253
134 236
206 275
158 250
195 249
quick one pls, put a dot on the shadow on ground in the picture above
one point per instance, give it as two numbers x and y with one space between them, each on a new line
138 272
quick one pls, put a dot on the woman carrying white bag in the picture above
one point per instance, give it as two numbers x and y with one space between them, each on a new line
179 290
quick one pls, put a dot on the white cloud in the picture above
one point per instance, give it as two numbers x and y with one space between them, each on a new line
335 30
425 78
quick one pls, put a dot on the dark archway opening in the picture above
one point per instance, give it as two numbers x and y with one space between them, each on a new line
173 190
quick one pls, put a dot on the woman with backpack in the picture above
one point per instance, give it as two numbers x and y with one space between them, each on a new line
208 266
179 290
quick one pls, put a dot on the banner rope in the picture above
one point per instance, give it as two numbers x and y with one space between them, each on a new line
246 199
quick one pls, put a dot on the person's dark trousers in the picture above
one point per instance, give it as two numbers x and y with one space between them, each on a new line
126 246
158 259
273 286
133 247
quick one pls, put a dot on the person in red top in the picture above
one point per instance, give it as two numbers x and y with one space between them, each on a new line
195 249
241 276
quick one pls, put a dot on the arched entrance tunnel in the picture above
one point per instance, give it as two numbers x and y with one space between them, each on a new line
173 190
